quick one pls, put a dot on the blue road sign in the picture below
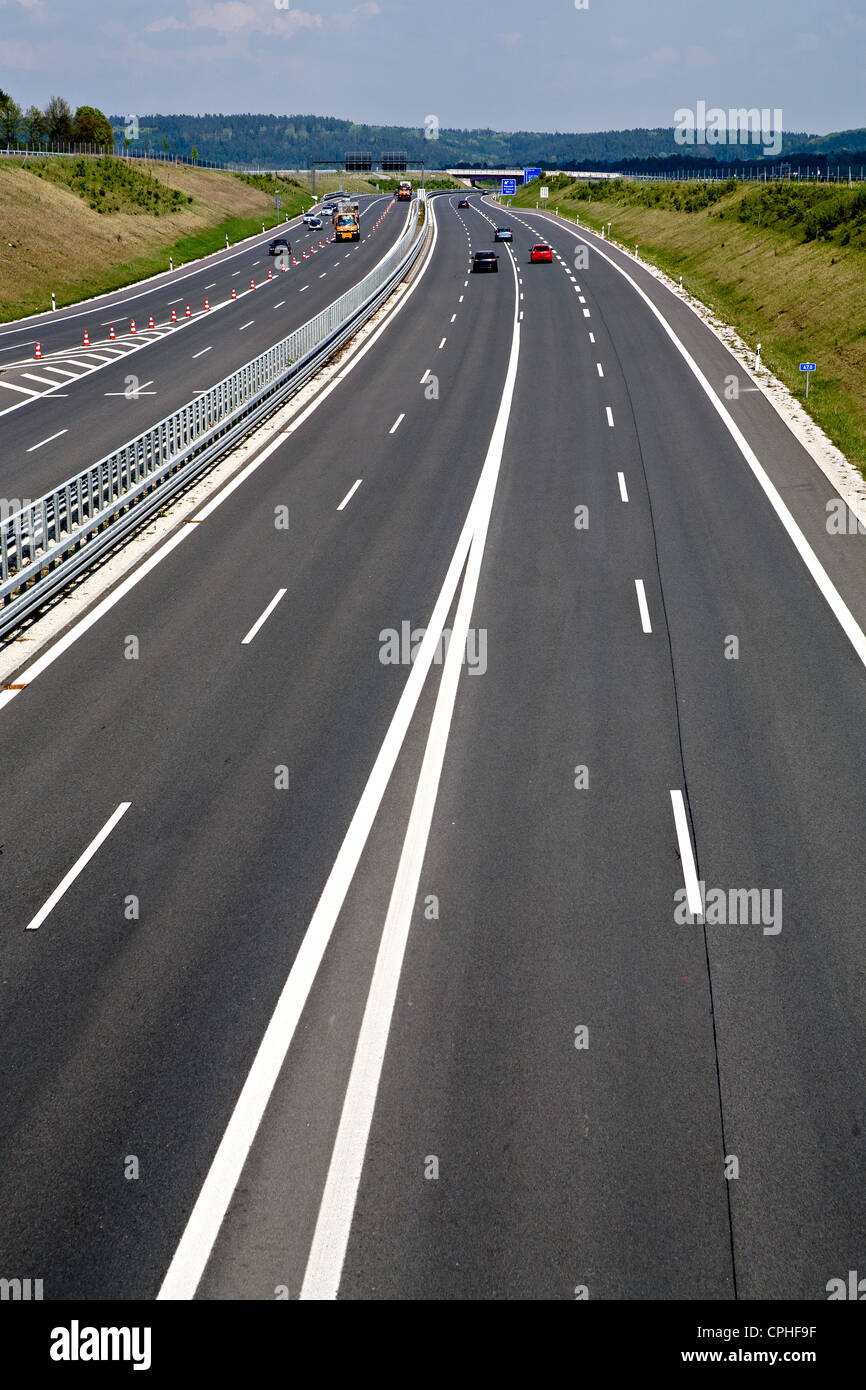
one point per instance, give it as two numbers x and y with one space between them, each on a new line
530 174
807 367
509 188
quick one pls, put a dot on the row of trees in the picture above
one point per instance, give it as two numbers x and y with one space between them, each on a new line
56 125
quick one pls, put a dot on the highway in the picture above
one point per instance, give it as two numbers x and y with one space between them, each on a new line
101 398
337 973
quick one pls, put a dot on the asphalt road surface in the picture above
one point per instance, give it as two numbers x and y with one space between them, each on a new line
502 1063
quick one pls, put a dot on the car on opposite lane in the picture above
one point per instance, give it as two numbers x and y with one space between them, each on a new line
541 252
485 261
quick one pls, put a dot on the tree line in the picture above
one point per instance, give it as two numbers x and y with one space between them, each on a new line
36 129
291 141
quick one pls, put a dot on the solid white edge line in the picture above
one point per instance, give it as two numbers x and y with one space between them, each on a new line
622 487
203 1226
821 578
687 857
350 494
643 606
328 1249
281 593
77 867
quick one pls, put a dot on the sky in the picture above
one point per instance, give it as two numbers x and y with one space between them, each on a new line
547 65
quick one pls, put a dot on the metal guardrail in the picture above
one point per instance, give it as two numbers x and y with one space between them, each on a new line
53 539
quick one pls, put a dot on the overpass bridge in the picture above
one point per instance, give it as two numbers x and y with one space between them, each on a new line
474 176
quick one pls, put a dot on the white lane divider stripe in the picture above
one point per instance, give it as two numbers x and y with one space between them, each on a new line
687 857
77 867
46 441
643 606
396 425
622 487
281 593
350 494
609 416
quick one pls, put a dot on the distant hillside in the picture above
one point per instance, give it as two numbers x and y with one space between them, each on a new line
290 142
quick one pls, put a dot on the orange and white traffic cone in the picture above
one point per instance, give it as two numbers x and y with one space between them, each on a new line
150 322
132 327
86 339
206 302
234 293
284 267
174 315
270 273
38 353
111 332
252 284
188 313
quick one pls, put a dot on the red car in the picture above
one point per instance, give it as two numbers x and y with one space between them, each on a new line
541 252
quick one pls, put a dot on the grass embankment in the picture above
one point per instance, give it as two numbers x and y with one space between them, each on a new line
81 227
784 265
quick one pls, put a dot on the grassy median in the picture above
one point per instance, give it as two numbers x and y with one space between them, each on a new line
784 265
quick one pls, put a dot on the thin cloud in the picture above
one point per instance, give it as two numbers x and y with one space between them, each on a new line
232 17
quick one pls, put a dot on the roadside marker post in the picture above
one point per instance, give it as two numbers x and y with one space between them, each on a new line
808 368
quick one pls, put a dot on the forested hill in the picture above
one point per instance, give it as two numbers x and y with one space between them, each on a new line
292 141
